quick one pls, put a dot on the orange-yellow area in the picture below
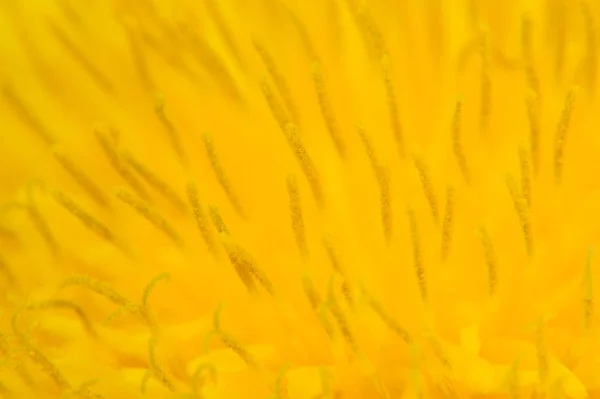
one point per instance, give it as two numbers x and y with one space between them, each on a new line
299 199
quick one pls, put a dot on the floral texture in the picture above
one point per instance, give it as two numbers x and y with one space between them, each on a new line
299 199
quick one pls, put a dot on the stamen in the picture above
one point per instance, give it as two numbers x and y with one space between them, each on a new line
81 178
231 343
389 321
200 217
82 60
341 319
386 204
29 118
146 377
322 311
382 176
246 267
208 337
373 161
133 309
42 227
279 80
143 310
311 293
38 357
221 176
525 179
10 351
327 110
532 104
392 104
217 220
238 349
150 215
305 161
427 187
275 107
297 218
520 205
448 224
490 260
173 134
438 350
337 267
83 391
85 218
561 133
157 371
260 276
37 218
417 256
98 287
166 277
108 146
332 255
459 151
154 181
367 28
348 293
62 304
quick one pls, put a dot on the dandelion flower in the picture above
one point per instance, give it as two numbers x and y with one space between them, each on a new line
299 200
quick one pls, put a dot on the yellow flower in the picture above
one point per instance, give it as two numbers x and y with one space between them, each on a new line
299 199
